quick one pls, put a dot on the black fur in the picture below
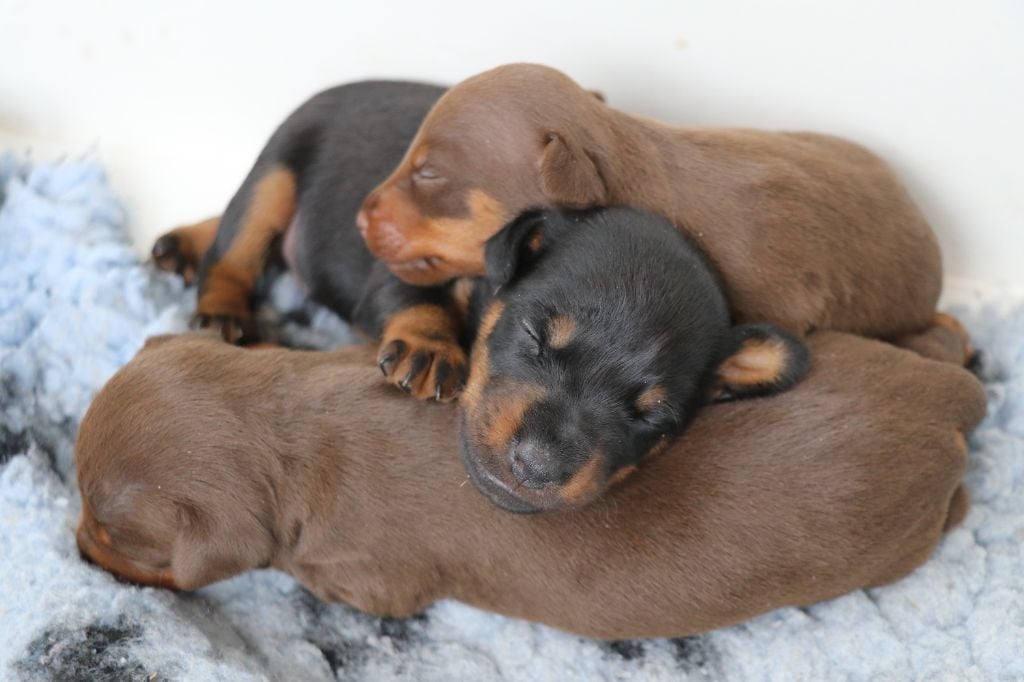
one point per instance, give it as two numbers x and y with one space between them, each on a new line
648 310
651 308
340 144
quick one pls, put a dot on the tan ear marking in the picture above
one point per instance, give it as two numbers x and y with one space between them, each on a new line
758 361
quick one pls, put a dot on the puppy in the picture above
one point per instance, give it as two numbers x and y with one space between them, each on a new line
299 201
292 460
809 231
608 332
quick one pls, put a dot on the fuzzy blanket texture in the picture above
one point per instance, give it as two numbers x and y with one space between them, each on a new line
76 303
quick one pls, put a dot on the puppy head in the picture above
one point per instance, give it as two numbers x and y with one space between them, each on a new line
608 331
165 502
499 143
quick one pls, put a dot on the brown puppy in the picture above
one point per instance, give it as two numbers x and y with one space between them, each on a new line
809 231
199 461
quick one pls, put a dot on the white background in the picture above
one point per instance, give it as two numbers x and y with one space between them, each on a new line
178 96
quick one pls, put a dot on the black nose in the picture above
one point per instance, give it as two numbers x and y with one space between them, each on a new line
537 466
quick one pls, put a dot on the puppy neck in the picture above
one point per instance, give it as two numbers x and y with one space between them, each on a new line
646 163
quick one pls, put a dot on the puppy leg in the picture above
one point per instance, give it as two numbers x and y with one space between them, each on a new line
181 249
419 329
946 340
260 212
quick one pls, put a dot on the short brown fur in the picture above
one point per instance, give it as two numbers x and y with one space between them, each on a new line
746 515
809 231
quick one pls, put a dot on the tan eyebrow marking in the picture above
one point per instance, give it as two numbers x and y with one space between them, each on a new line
650 398
560 331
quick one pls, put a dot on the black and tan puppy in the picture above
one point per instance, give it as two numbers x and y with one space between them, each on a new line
608 332
299 201
293 460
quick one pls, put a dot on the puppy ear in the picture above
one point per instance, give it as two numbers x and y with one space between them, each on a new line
569 175
598 95
759 359
515 246
207 550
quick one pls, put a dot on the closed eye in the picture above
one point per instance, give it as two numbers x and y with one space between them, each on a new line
661 418
426 174
653 409
535 336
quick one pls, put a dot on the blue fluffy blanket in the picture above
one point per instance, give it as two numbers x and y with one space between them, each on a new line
76 303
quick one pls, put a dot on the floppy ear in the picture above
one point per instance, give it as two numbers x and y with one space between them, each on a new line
569 175
207 550
759 359
516 245
598 95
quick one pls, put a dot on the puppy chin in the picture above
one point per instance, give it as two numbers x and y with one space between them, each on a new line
491 485
420 272
498 485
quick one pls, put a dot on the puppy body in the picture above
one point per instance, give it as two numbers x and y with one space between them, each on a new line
292 460
809 231
299 202
608 332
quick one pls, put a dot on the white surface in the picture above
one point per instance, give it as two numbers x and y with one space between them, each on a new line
179 97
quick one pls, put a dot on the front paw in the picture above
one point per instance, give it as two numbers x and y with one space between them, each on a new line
423 367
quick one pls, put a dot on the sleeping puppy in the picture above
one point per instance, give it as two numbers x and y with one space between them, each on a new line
608 332
298 204
292 460
808 231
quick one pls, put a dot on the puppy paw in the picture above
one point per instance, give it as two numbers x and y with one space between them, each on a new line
223 305
171 255
424 367
181 249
